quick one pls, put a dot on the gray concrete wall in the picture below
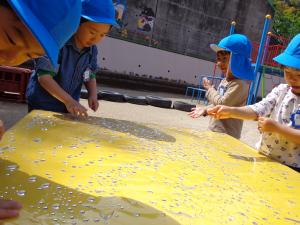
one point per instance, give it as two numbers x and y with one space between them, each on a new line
189 26
177 44
125 57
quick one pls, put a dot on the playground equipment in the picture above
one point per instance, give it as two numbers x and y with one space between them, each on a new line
255 84
263 54
269 66
200 91
264 60
120 7
232 27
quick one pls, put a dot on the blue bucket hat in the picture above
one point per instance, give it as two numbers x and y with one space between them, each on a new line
51 22
99 11
240 61
291 56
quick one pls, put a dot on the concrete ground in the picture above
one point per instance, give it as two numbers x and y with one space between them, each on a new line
10 113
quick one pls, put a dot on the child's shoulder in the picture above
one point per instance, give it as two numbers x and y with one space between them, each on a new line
281 90
239 82
282 87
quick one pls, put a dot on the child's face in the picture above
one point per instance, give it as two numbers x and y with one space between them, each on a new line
90 33
17 44
292 77
223 58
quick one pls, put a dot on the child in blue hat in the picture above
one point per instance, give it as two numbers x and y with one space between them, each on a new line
233 59
58 89
278 114
30 29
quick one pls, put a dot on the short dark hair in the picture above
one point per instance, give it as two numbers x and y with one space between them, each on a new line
4 3
82 20
223 52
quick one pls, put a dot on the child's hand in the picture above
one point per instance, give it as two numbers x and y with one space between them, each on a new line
76 109
220 112
2 129
206 83
9 208
267 124
197 112
93 103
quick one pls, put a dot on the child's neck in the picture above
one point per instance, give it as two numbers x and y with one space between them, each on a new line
77 43
229 77
298 94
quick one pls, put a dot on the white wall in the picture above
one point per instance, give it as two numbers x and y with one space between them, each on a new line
125 57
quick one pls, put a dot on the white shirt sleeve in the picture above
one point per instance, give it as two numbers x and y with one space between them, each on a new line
266 106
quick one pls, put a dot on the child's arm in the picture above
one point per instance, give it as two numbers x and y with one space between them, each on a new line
225 112
197 112
252 112
50 85
270 125
9 209
91 86
2 129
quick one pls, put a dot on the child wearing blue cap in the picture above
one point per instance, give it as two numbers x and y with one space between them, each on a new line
233 59
278 114
59 89
30 29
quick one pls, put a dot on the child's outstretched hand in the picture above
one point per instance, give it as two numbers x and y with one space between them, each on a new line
206 83
9 209
2 129
267 125
93 103
220 112
197 112
76 109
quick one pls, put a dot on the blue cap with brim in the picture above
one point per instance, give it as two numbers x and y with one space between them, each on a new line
291 56
51 22
99 11
240 61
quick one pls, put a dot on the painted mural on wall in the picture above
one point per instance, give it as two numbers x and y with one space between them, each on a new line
186 27
120 6
146 20
136 23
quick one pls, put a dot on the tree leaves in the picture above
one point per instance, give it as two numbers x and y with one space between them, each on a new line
286 21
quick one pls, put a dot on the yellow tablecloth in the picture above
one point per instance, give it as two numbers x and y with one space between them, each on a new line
106 171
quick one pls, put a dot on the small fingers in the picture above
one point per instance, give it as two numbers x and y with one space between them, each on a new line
8 213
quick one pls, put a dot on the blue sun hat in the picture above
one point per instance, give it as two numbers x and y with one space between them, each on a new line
51 22
99 11
291 56
240 61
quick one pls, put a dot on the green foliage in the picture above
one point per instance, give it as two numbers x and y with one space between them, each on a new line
286 21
